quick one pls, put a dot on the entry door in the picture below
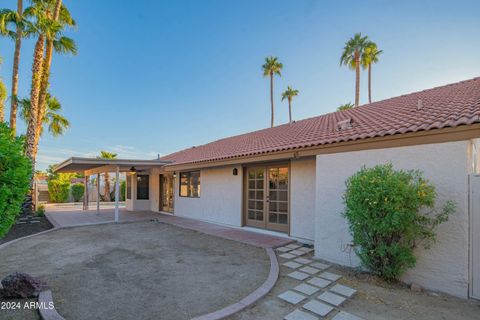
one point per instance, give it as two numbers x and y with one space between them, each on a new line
166 193
267 197
475 234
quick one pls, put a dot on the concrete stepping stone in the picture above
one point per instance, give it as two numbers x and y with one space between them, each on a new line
292 297
302 260
297 252
318 307
342 315
319 265
310 270
293 246
283 249
343 290
293 265
329 276
299 315
305 249
287 256
306 289
319 282
298 275
331 298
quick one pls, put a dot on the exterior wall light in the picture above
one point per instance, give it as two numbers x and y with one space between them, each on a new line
235 171
174 175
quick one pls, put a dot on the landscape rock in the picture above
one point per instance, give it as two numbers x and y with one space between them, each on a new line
22 285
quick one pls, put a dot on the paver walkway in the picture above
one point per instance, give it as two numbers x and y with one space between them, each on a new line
70 218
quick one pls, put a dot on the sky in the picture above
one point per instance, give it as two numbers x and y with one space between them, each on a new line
154 77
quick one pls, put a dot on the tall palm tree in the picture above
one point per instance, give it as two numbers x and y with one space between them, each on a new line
61 44
289 94
272 67
107 155
3 97
370 56
351 55
41 26
56 123
17 19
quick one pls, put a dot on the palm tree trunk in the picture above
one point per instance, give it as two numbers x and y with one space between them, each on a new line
42 99
271 101
16 62
370 83
34 93
290 110
107 187
357 78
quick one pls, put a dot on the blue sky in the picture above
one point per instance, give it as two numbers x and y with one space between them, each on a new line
153 77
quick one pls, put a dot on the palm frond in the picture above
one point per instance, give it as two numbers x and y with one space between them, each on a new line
65 45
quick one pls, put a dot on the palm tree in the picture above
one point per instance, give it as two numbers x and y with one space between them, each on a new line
3 97
272 67
107 155
57 124
346 106
289 94
351 55
370 56
18 20
41 26
61 44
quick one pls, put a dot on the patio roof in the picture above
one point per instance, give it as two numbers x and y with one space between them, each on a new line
95 165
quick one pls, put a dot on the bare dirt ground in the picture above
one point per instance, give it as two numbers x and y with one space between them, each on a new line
374 300
143 270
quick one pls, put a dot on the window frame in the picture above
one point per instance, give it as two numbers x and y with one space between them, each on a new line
129 187
148 186
188 185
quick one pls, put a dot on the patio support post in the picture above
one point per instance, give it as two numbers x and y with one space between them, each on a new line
98 192
85 193
117 191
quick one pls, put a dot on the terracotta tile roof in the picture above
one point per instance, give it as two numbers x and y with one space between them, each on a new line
447 106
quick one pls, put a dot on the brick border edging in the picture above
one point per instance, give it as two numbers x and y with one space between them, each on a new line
45 299
253 297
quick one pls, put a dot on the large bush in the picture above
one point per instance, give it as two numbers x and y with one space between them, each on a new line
58 190
390 212
123 190
15 174
77 191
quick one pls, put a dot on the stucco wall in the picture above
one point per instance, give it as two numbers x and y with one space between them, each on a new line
140 205
445 266
220 197
302 197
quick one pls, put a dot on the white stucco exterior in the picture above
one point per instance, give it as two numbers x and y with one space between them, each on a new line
445 266
302 199
220 198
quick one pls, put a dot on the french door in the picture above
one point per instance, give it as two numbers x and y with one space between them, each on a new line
166 193
267 197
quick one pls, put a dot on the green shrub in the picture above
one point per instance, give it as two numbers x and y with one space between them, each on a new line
15 174
123 189
40 210
77 191
58 190
387 214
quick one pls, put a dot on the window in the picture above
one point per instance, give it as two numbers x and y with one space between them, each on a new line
129 187
142 187
190 184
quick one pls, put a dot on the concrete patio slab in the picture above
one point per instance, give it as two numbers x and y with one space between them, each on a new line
306 289
329 276
292 297
298 275
309 270
342 315
331 298
299 315
319 265
319 282
302 260
292 265
343 290
318 307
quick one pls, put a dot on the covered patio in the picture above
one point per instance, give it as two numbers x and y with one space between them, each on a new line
94 167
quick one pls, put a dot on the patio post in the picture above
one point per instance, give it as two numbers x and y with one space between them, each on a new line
98 192
117 191
85 193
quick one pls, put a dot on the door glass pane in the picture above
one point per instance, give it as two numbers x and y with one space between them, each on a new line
260 174
283 219
278 196
260 205
282 207
273 195
251 174
260 215
251 194
260 195
273 206
251 214
251 184
283 195
251 204
272 217
259 184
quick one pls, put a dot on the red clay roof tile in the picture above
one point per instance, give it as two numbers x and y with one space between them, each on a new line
446 106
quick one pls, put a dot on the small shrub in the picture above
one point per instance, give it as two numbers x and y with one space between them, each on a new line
15 174
385 209
58 190
40 210
77 191
123 188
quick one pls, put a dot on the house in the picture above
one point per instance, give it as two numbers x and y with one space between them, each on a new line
290 179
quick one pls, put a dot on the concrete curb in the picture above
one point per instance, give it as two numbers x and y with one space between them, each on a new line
3 245
253 297
48 311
